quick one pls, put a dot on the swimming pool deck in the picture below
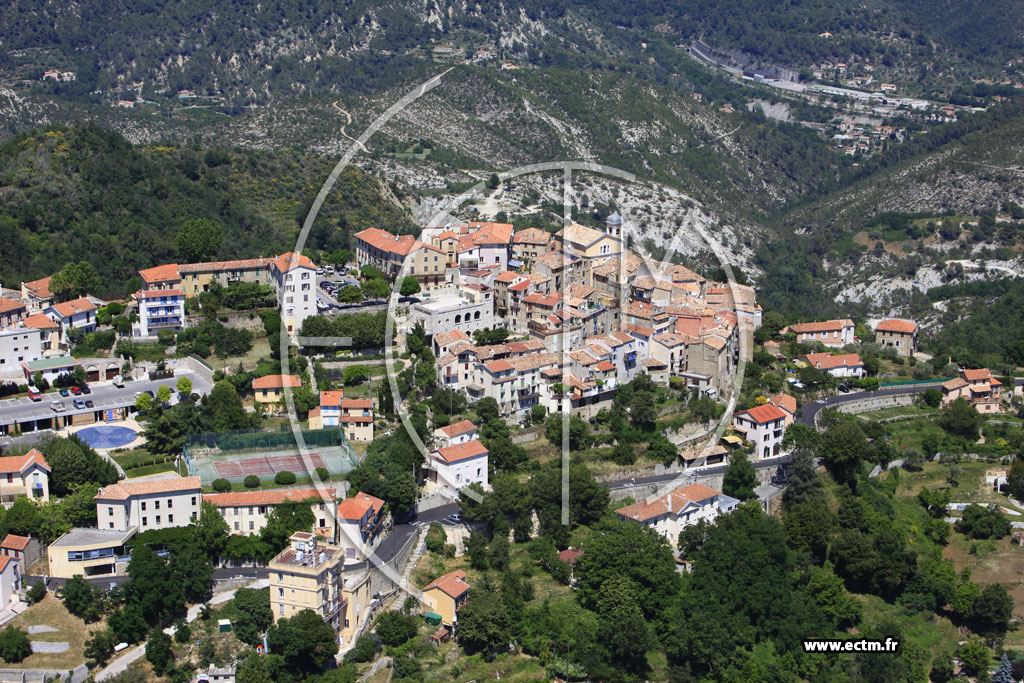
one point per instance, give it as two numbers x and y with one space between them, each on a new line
130 423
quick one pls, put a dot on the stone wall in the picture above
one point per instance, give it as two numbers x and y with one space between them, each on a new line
873 402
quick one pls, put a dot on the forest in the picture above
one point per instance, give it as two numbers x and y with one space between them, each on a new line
76 193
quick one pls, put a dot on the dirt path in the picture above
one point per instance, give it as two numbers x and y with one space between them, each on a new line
348 121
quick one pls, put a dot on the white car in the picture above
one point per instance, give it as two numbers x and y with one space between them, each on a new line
57 406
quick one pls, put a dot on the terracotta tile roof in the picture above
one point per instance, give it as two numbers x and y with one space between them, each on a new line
654 363
520 286
39 288
670 340
824 326
15 542
639 329
126 489
73 307
605 366
10 305
762 414
570 555
354 509
452 584
955 383
157 293
499 365
16 464
644 510
276 382
784 401
268 497
5 560
699 492
377 503
219 266
549 300
462 451
160 273
977 375
507 276
457 429
580 234
825 361
289 260
895 325
40 321
524 346
446 338
385 241
532 236
491 233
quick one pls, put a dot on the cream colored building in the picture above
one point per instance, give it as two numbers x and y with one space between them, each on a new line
89 552
197 278
445 596
307 575
270 388
588 243
356 597
246 511
145 505
24 475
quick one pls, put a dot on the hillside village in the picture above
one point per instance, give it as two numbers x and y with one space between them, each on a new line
514 329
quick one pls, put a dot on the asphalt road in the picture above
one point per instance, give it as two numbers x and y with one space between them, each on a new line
809 410
104 395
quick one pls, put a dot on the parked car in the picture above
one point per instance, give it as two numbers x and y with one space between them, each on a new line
844 388
89 403
118 382
78 403
57 406
455 517
76 390
85 389
63 391
34 393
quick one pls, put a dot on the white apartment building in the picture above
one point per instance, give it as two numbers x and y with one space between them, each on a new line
670 514
455 467
295 280
78 314
454 434
146 505
246 511
474 311
19 344
763 426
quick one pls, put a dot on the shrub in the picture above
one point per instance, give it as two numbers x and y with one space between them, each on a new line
322 473
165 337
983 522
221 485
284 478
363 651
35 593
14 644
252 482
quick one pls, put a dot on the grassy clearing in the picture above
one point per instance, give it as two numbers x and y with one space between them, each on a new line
70 629
260 349
913 409
149 469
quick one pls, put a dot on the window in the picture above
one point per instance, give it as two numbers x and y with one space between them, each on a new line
142 506
250 526
111 525
157 504
158 519
144 521
280 610
193 515
236 526
170 503
193 500
110 511
280 592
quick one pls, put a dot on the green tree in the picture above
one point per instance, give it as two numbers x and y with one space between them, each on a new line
305 641
80 599
1004 672
662 450
199 240
395 628
184 385
843 447
127 624
73 463
14 645
410 286
74 280
961 419
983 522
484 623
942 669
739 480
143 402
376 289
932 398
476 548
222 409
255 616
253 669
100 646
355 374
826 589
163 394
976 657
992 611
158 651
350 294
579 438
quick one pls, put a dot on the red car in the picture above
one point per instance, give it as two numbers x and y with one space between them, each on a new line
76 390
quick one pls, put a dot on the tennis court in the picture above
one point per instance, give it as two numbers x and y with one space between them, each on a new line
262 466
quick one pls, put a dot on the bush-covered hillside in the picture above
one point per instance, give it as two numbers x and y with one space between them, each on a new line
71 194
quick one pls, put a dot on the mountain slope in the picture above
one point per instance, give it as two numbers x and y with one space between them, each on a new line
85 193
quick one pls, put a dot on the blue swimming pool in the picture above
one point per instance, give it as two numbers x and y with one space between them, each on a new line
106 436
